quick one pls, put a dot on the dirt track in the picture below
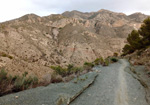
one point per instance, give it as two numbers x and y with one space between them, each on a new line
114 86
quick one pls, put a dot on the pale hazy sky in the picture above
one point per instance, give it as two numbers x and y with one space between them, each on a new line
10 9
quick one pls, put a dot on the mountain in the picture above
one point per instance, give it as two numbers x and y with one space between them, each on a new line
138 16
32 43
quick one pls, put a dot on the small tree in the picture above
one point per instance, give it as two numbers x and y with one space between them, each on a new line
138 39
134 40
127 49
144 31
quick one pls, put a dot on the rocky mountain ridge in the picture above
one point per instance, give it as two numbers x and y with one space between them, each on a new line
32 43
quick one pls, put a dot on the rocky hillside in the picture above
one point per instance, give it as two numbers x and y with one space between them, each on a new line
32 43
141 57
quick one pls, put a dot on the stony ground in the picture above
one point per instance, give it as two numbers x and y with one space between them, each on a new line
114 86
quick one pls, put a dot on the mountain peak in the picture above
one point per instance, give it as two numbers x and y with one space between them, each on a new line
73 11
29 16
107 11
137 13
103 10
138 16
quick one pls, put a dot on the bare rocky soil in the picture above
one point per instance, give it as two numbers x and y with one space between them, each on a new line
141 57
33 44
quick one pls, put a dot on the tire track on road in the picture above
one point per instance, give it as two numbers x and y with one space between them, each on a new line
121 93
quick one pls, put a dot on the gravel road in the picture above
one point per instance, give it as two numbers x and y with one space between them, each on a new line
53 94
113 86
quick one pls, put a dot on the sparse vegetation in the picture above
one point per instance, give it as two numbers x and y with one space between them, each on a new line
9 84
5 55
88 66
107 62
60 28
97 61
56 78
113 59
66 71
139 52
101 61
2 27
24 82
115 54
59 70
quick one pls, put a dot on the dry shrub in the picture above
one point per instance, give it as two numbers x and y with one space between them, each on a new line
9 84
56 78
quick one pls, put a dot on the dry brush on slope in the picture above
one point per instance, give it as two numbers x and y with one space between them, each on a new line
35 43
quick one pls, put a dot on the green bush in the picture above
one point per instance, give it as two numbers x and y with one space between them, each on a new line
114 59
106 63
115 54
59 70
5 55
102 60
10 57
97 61
89 64
66 71
72 69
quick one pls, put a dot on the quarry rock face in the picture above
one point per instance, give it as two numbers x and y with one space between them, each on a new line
32 43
